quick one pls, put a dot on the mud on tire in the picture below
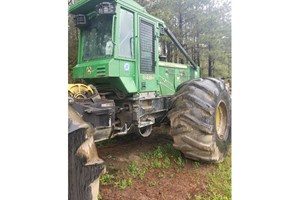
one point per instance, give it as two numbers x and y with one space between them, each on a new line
200 119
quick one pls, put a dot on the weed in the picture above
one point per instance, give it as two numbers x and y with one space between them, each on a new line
142 172
106 179
219 186
135 171
152 183
123 184
161 152
197 197
158 153
179 161
161 175
171 151
167 163
196 164
99 196
145 156
156 163
160 157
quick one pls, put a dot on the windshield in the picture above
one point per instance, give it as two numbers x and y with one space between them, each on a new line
97 41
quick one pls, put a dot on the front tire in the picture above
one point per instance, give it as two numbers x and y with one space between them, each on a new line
200 118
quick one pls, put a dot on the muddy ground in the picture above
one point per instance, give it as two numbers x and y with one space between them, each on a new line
158 183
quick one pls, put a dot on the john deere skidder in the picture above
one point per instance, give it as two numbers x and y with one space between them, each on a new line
132 88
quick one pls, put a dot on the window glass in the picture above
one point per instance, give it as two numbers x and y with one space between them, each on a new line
126 34
97 41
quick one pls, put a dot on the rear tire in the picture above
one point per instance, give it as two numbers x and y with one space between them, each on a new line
200 119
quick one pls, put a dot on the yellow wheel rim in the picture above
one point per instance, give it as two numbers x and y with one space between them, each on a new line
80 91
221 120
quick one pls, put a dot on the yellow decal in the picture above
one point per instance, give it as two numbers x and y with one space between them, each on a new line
89 70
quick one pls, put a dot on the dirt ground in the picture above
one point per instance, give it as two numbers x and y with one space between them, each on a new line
171 183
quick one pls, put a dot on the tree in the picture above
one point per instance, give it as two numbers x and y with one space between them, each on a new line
72 45
203 28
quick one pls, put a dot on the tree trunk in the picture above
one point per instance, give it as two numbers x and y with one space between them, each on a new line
210 61
198 48
180 35
169 51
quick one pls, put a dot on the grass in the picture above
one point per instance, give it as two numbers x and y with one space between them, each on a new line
99 196
152 183
196 164
179 161
197 197
134 170
162 157
167 163
107 179
161 175
219 185
123 184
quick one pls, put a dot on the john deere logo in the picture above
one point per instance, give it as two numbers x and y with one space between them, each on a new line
89 70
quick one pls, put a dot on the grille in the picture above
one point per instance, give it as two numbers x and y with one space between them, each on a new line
147 47
101 71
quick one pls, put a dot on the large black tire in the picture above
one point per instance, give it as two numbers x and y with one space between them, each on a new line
200 118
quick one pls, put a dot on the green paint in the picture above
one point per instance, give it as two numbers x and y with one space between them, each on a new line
129 82
172 74
112 56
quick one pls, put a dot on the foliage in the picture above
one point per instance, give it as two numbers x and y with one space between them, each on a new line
106 179
161 157
136 171
123 184
99 196
158 161
219 185
72 46
152 183
179 161
196 164
203 27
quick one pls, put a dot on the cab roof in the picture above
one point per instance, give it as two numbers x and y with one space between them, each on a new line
85 6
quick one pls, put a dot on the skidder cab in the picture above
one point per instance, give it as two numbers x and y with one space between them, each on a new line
131 87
